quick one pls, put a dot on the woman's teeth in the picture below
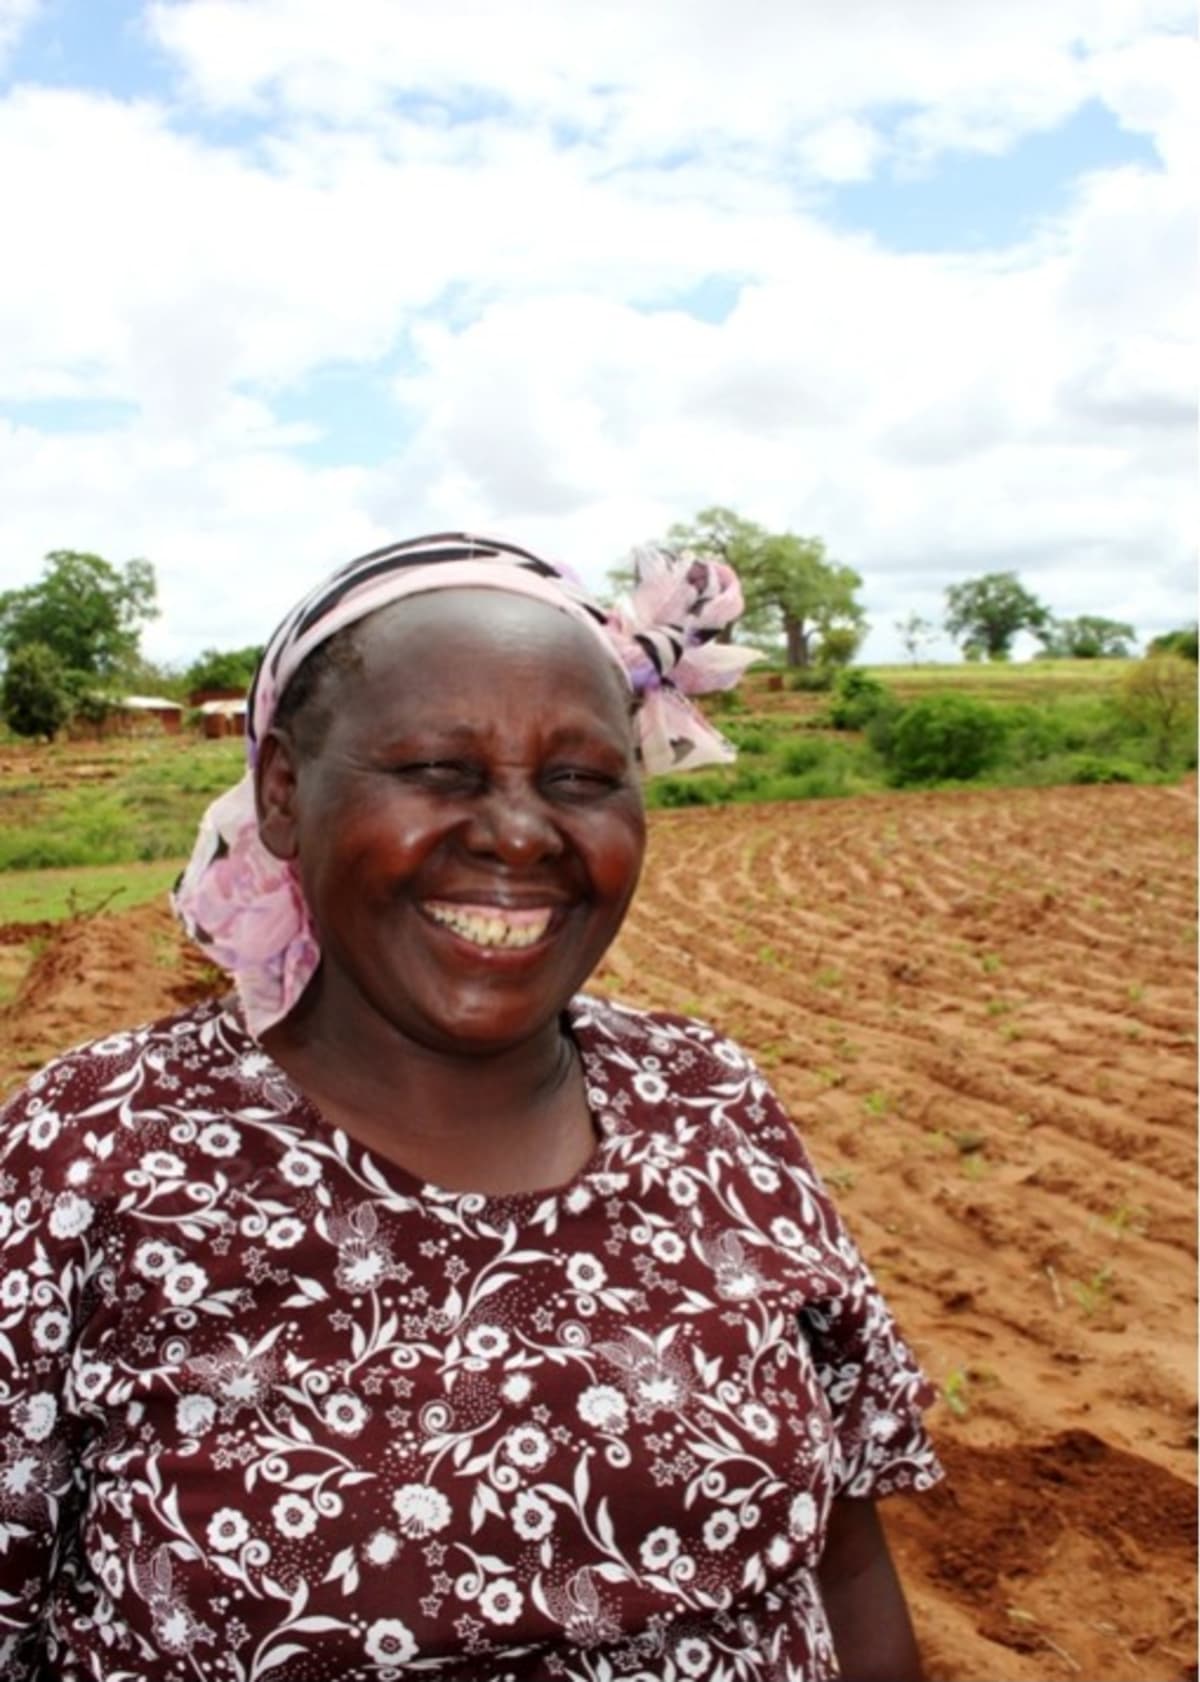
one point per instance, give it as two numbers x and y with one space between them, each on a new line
487 925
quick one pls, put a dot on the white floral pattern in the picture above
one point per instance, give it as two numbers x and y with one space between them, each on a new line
272 1407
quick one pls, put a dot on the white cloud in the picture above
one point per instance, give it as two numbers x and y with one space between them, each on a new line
931 415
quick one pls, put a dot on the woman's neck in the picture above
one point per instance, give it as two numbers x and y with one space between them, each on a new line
504 1122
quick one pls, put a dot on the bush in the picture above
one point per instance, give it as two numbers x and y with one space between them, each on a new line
944 738
1185 643
1091 769
811 679
748 738
1158 697
36 696
694 790
1032 733
798 757
858 697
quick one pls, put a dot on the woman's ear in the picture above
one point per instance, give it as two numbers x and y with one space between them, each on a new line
275 791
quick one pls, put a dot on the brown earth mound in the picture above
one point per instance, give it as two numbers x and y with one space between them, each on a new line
980 1008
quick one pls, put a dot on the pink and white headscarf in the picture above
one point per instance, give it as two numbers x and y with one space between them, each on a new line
245 907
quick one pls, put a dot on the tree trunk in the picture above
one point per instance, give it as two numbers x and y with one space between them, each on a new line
797 641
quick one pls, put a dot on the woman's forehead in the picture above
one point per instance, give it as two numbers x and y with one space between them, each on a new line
495 625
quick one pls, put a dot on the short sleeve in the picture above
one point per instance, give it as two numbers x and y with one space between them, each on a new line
875 1389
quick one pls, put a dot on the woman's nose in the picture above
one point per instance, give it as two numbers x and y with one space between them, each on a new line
514 825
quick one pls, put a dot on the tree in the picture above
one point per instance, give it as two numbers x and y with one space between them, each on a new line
231 668
86 610
915 632
1183 642
986 613
35 698
788 582
1087 637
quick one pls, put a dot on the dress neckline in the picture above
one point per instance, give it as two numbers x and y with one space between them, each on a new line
584 1185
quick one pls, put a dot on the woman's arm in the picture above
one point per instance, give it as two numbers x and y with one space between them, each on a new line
863 1599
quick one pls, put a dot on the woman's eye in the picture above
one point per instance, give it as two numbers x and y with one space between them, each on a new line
581 780
437 773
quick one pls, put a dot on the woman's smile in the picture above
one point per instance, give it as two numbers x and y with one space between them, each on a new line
492 927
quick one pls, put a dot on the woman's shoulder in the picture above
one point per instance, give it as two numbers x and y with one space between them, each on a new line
679 1040
159 1054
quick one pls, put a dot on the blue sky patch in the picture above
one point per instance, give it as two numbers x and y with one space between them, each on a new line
973 201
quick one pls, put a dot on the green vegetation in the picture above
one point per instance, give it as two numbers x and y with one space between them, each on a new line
1185 642
71 637
1040 724
122 804
230 668
943 738
1087 637
46 896
35 697
1046 722
985 614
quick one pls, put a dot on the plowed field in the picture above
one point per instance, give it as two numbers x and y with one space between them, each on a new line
981 1010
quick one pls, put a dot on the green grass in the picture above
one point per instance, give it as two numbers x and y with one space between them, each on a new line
45 896
111 804
1027 680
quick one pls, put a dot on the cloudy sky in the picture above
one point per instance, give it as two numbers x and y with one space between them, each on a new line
284 279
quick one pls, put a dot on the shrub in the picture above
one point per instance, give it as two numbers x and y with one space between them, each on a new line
694 790
1158 696
36 696
748 738
858 697
1091 769
1185 643
799 757
944 738
1032 733
811 679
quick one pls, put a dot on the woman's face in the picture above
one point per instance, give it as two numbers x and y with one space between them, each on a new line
470 831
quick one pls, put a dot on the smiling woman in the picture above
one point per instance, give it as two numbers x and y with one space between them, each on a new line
410 1312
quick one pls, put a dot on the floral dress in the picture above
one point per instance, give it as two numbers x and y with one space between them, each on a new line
274 1408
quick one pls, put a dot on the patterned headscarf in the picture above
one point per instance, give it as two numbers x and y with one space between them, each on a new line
245 907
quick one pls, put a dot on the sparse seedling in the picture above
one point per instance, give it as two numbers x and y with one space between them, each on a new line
989 963
827 978
955 1392
1094 1295
876 1103
841 1179
1127 1217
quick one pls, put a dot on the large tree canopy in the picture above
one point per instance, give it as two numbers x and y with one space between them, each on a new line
228 668
789 584
986 613
89 612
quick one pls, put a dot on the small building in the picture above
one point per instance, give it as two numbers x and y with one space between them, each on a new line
133 714
225 717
